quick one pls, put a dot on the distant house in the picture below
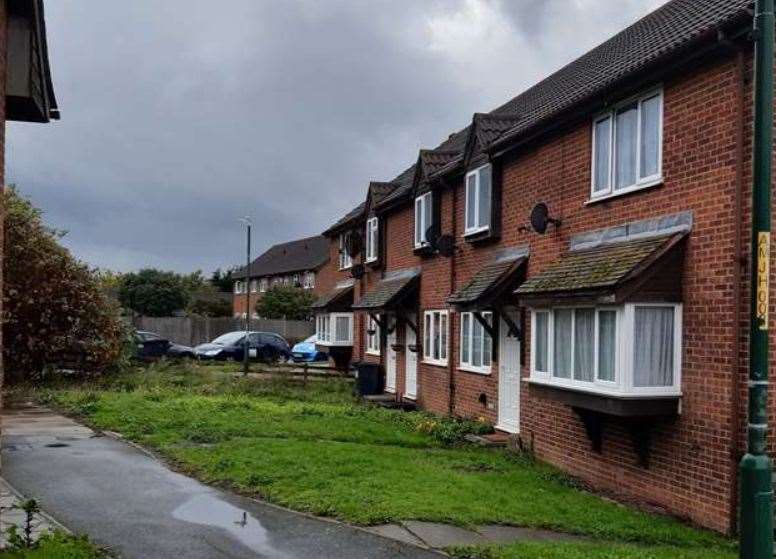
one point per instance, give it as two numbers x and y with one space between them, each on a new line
297 263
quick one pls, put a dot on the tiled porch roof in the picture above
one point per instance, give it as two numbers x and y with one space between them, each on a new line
390 291
494 280
339 298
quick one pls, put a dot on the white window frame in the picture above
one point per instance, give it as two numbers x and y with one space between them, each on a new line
309 280
326 329
428 348
467 366
263 284
479 227
372 341
611 114
420 215
254 285
372 239
623 383
345 260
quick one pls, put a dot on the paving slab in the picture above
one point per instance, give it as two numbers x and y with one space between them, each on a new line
12 515
498 533
396 532
439 536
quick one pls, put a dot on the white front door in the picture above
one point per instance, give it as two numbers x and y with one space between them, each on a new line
508 379
390 362
410 361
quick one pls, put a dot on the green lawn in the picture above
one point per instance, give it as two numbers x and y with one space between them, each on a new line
58 546
588 551
316 449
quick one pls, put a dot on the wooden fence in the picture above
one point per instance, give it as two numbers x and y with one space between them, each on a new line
191 331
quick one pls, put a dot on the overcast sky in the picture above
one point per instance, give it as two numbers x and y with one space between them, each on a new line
179 116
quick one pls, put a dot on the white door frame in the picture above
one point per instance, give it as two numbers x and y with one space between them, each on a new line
410 360
508 379
390 361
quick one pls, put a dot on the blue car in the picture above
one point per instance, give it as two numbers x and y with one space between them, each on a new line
305 351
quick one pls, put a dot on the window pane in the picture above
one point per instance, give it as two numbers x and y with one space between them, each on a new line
342 329
487 344
485 194
653 346
471 201
418 221
602 138
476 343
542 324
584 338
428 219
607 321
443 337
625 147
427 336
436 335
465 337
562 342
650 136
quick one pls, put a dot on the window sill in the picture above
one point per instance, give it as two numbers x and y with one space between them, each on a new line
475 232
475 370
372 352
625 191
334 344
435 363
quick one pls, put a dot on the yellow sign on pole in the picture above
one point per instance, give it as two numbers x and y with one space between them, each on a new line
763 277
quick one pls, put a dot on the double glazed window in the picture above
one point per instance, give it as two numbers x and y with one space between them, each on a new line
476 345
263 284
371 239
309 280
634 348
239 287
345 260
372 336
627 146
423 218
334 329
478 200
435 332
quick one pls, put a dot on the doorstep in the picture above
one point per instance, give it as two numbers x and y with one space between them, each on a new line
497 439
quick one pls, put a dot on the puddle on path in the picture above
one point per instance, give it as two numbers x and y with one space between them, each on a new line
208 510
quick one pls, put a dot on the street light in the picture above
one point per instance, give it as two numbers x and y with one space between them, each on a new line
246 353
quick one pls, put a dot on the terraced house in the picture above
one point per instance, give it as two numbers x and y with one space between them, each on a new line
571 267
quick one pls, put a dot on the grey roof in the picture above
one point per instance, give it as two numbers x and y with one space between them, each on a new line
296 256
389 291
490 282
602 267
339 297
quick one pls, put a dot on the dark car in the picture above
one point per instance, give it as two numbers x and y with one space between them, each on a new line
263 346
151 346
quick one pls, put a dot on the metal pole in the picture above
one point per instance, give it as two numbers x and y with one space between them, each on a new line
246 353
756 470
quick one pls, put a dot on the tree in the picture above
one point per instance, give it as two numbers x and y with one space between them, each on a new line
285 301
55 311
152 292
223 281
208 306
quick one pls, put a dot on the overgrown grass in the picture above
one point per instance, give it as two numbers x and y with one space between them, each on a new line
58 546
317 449
563 550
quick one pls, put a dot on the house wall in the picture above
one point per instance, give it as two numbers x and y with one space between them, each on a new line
323 282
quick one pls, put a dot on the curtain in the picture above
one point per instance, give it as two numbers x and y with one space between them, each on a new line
650 136
584 336
471 201
436 335
602 138
542 325
342 329
428 219
653 346
625 147
465 336
485 194
562 343
476 343
487 345
443 337
607 323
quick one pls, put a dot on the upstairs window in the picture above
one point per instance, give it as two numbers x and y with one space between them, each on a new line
371 239
345 260
309 280
627 146
295 281
423 218
478 200
254 286
372 336
263 284
476 345
435 333
239 287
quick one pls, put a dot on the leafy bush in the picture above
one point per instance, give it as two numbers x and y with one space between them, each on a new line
153 292
56 314
210 307
281 301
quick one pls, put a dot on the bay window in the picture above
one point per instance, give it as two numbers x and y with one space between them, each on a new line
627 146
334 329
476 345
478 200
423 218
372 336
628 350
371 239
435 335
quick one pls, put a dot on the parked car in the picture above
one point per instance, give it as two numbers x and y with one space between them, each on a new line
305 351
151 346
263 346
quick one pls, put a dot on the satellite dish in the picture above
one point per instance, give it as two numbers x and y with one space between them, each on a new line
353 244
432 235
445 245
357 271
540 218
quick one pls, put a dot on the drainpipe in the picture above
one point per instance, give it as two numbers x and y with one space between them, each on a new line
755 469
451 335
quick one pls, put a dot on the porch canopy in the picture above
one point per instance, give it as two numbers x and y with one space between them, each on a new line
611 273
340 299
493 286
397 291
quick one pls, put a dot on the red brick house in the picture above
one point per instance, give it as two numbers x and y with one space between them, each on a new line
299 263
572 267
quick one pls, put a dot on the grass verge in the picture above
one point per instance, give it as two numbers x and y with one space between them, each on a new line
58 545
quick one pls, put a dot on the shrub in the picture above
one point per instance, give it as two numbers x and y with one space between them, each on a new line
281 301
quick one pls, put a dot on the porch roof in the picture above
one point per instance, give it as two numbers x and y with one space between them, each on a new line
491 284
338 299
391 291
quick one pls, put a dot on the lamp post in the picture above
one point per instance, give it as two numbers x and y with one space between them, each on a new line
246 353
755 470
